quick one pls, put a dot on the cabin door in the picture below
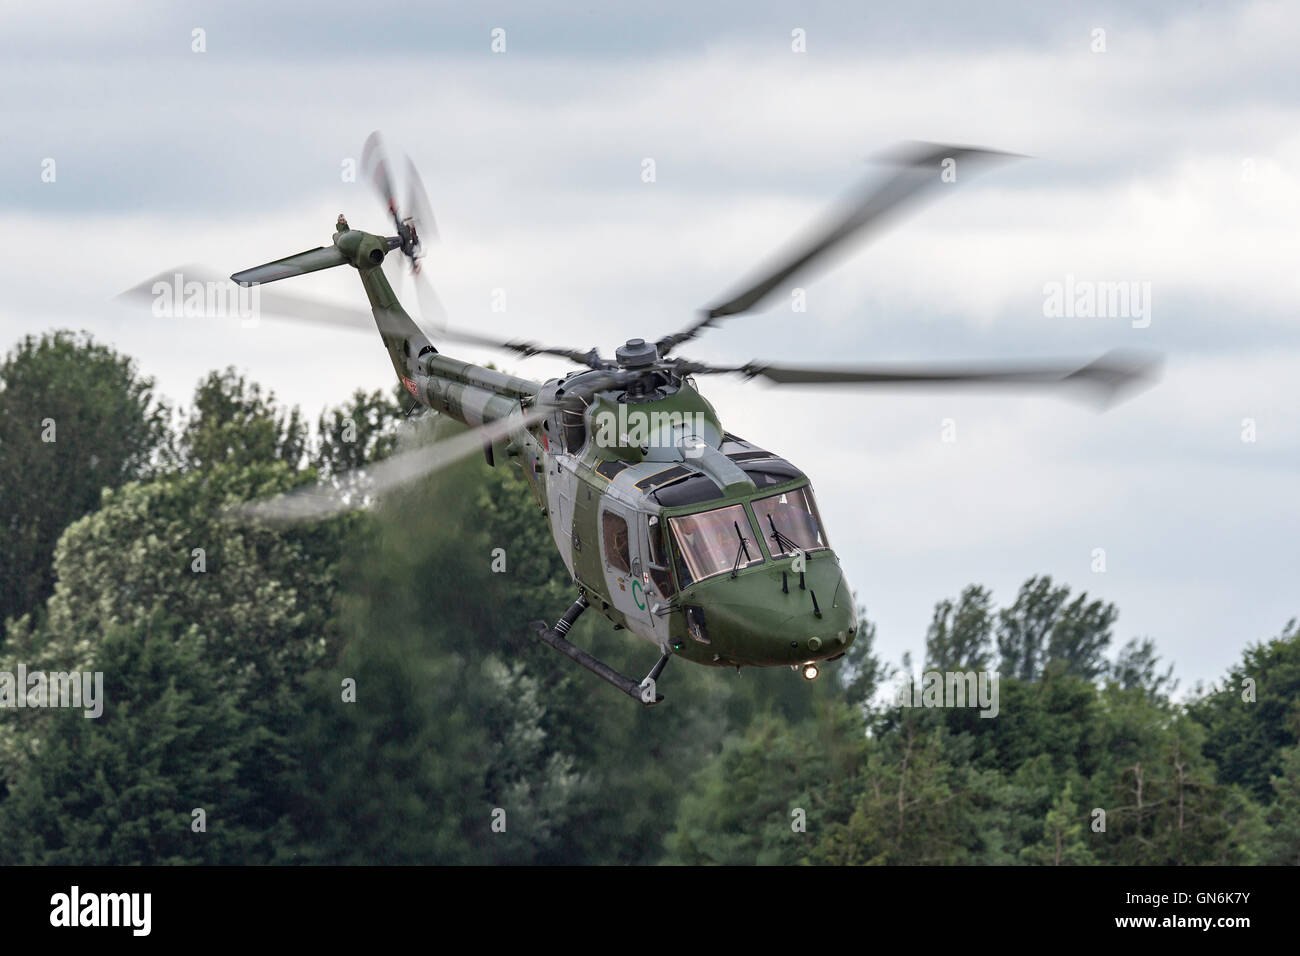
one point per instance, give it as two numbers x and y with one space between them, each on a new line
622 548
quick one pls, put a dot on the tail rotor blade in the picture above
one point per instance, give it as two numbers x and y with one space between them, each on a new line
417 205
432 313
375 162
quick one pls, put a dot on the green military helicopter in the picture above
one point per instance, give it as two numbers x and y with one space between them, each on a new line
709 546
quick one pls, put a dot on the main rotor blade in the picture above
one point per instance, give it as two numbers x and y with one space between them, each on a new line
920 171
355 488
587 384
1105 378
591 358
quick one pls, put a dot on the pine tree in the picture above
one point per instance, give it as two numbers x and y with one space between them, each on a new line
123 788
1063 842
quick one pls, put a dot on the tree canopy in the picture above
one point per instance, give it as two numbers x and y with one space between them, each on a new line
366 690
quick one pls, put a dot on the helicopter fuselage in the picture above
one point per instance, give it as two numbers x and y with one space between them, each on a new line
696 540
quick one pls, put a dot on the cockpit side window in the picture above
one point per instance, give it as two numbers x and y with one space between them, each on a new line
659 573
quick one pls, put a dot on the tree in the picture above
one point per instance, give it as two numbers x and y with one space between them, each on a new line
914 807
260 600
1041 628
122 788
1053 721
1138 666
423 740
232 422
361 431
75 417
1063 841
860 671
960 635
1080 637
1248 717
772 792
1283 844
1163 805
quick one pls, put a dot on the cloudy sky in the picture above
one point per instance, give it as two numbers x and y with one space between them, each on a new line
1165 150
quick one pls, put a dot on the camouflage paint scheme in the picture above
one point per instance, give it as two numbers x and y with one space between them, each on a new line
756 617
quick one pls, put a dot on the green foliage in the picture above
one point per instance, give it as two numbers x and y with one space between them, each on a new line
75 417
361 431
771 791
367 690
1138 665
915 806
258 600
1044 626
1164 807
443 731
960 636
1283 846
1251 717
232 422
1063 842
121 788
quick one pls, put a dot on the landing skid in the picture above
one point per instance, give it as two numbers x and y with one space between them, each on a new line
645 691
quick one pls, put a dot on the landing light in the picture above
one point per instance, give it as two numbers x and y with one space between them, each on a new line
810 672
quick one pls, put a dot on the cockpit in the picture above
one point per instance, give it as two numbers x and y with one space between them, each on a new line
727 539
743 574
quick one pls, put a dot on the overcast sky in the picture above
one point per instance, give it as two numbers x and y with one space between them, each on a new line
1169 158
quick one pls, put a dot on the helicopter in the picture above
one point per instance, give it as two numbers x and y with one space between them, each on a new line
709 546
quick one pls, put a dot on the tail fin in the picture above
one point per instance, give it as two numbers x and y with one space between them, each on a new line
366 253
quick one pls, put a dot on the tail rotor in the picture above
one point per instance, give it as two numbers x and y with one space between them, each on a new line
413 222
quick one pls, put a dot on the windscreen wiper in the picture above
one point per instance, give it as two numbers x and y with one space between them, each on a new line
782 541
743 549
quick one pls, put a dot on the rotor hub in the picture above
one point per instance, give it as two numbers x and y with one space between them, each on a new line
636 353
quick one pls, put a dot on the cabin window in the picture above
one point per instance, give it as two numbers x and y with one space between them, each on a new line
789 521
613 532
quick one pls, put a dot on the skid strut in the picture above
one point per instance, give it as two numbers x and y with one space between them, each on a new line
645 691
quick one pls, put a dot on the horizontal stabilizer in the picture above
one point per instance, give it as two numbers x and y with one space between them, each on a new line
313 260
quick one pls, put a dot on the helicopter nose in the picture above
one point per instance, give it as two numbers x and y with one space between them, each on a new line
779 615
772 615
822 629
